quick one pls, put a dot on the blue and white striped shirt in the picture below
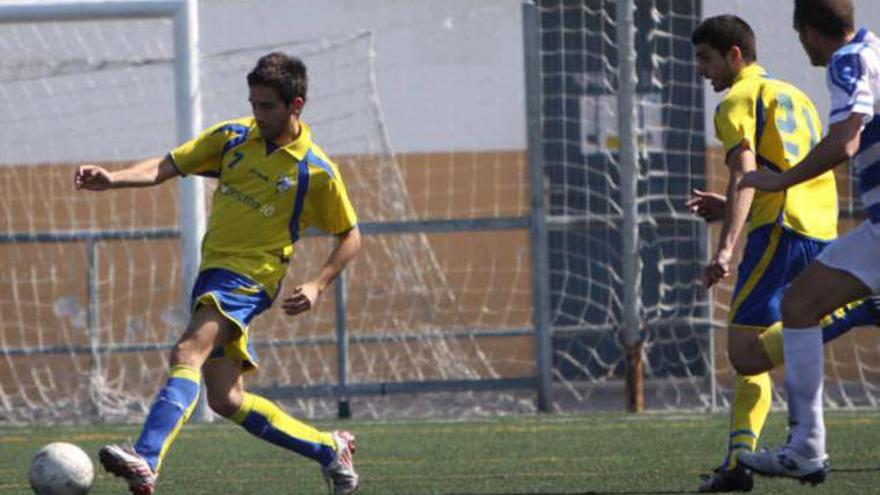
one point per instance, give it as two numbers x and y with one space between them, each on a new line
854 82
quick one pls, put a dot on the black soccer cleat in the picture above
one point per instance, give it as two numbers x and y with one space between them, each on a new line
722 480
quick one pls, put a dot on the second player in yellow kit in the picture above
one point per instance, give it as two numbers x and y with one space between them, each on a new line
779 125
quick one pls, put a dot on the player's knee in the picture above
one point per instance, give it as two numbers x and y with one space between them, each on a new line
739 360
749 359
735 356
187 352
751 366
224 404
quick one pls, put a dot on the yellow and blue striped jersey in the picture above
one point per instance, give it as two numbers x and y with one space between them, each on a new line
780 125
265 197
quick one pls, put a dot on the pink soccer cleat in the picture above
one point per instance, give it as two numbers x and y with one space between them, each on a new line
340 474
126 463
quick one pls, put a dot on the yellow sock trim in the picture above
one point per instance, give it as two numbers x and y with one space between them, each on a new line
281 421
751 404
771 339
838 313
186 372
247 405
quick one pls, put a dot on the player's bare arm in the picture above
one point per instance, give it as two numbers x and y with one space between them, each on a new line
739 162
148 172
707 205
839 146
304 296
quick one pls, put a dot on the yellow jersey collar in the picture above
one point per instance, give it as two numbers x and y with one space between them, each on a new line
298 147
752 70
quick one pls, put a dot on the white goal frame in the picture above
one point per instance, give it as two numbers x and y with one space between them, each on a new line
187 98
188 114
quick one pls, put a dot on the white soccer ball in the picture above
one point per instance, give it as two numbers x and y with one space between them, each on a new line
61 468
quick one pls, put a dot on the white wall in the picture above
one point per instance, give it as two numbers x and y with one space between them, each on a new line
450 72
449 75
779 50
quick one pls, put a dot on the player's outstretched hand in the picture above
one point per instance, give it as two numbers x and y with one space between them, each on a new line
302 299
708 205
763 180
92 178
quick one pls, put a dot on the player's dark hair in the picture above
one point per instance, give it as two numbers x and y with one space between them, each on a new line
832 18
723 32
284 73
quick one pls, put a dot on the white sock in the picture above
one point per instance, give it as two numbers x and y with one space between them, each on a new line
804 373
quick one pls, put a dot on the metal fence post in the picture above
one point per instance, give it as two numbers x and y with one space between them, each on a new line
538 220
343 408
631 269
93 317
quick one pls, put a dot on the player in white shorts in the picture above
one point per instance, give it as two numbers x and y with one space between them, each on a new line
849 268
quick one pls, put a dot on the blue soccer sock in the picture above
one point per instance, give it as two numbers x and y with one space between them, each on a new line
265 420
172 407
859 313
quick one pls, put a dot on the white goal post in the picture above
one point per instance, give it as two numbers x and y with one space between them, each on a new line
188 115
184 14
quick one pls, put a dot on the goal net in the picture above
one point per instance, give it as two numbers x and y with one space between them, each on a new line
76 281
684 330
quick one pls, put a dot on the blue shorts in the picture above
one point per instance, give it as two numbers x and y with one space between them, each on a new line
772 258
239 299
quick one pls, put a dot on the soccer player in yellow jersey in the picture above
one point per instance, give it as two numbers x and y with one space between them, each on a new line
273 183
761 122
